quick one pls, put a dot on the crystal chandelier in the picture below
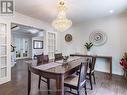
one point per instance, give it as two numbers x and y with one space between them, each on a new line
61 23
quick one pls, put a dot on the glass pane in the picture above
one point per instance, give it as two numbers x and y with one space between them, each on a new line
48 35
54 36
17 42
2 28
26 45
51 36
3 72
2 39
3 61
3 50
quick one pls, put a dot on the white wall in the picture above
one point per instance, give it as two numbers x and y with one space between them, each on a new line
37 51
116 29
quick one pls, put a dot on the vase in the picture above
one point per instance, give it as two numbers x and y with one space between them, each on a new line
88 52
125 73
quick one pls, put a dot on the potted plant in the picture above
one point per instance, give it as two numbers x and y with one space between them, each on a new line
88 46
123 63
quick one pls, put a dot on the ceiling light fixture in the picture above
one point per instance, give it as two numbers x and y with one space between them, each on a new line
61 23
33 31
111 11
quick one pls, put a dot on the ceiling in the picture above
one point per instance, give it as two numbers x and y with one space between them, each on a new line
78 10
22 29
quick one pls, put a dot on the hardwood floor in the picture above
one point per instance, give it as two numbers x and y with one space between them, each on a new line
18 85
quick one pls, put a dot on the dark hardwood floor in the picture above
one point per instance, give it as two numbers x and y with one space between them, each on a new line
18 86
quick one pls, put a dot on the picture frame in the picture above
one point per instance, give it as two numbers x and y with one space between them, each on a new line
37 44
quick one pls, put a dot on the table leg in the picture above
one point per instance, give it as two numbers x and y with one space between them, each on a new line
110 62
29 81
60 85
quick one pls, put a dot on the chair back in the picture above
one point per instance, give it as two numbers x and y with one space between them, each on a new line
58 56
45 58
92 64
42 59
82 74
39 59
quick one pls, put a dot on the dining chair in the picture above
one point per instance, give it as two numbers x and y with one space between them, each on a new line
43 59
91 71
39 59
32 69
77 82
58 56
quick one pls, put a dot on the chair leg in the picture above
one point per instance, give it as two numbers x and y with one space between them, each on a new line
48 85
39 82
29 81
77 73
94 78
90 78
85 89
78 92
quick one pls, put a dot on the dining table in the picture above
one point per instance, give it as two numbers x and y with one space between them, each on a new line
57 70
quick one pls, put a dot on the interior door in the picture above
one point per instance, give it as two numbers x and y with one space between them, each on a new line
18 49
5 52
51 44
25 48
22 47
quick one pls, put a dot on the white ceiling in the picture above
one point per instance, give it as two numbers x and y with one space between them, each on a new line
21 29
78 10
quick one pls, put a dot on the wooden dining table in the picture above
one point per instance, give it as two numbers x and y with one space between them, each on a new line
57 70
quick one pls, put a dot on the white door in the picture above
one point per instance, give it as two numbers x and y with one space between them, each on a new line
25 48
22 47
5 52
18 49
51 44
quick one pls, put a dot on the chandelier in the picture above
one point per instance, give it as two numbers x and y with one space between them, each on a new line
61 23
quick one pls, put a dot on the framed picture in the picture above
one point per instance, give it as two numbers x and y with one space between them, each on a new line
37 44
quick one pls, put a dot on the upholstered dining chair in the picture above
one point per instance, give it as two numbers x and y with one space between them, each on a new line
77 82
91 70
43 59
58 56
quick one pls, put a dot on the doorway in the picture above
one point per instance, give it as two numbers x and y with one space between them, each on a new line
22 38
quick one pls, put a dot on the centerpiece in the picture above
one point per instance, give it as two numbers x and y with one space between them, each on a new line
65 58
88 47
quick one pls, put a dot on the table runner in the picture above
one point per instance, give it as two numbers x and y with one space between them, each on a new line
69 59
47 66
